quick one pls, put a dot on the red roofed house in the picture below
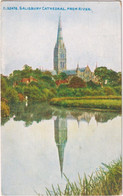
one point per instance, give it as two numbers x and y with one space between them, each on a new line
58 82
28 80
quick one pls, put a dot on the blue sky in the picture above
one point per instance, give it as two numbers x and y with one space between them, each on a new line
90 37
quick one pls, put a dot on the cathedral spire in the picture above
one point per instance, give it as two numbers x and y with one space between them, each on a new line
59 35
59 51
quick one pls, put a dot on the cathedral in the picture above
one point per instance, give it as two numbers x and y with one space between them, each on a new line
59 51
60 60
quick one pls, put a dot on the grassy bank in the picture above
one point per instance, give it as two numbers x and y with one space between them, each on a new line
99 102
105 181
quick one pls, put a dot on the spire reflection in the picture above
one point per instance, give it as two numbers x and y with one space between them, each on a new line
60 125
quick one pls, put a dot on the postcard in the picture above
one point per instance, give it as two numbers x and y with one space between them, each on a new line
61 98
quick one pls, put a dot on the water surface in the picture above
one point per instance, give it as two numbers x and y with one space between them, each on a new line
40 143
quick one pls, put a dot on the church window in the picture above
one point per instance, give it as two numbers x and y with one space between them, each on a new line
62 55
60 64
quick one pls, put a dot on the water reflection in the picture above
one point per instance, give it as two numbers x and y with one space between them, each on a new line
39 112
60 140
60 126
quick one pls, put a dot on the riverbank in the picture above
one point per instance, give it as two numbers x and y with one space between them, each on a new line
97 102
106 180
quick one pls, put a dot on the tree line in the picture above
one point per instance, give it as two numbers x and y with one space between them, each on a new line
13 90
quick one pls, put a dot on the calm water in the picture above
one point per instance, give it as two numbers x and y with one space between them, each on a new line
40 143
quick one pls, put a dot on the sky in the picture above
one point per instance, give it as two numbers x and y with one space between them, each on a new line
91 37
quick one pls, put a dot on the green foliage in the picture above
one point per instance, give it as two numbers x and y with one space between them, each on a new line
64 91
12 96
106 180
3 86
34 94
47 78
19 88
45 88
26 73
118 90
109 91
27 67
5 110
91 84
48 93
113 78
16 76
37 73
62 86
62 76
77 82
47 73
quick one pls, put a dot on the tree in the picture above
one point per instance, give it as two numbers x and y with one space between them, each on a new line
12 96
34 94
108 75
27 67
3 86
48 79
77 82
47 73
62 76
109 91
92 84
16 76
37 73
5 110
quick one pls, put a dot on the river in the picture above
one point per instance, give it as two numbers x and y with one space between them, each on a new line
41 143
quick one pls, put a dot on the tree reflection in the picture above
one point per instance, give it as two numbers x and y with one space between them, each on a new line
43 111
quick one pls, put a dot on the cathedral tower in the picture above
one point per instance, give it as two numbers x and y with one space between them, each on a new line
59 51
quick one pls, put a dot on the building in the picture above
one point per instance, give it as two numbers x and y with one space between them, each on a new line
60 60
84 73
59 51
28 80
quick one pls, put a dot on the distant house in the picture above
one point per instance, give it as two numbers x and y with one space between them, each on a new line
58 82
28 80
25 80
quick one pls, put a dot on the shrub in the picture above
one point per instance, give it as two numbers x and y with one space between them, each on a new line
109 91
12 96
107 180
63 76
77 82
3 86
5 110
48 93
19 89
34 94
91 84
21 97
118 90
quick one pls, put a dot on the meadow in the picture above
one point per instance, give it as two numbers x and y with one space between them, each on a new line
97 102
